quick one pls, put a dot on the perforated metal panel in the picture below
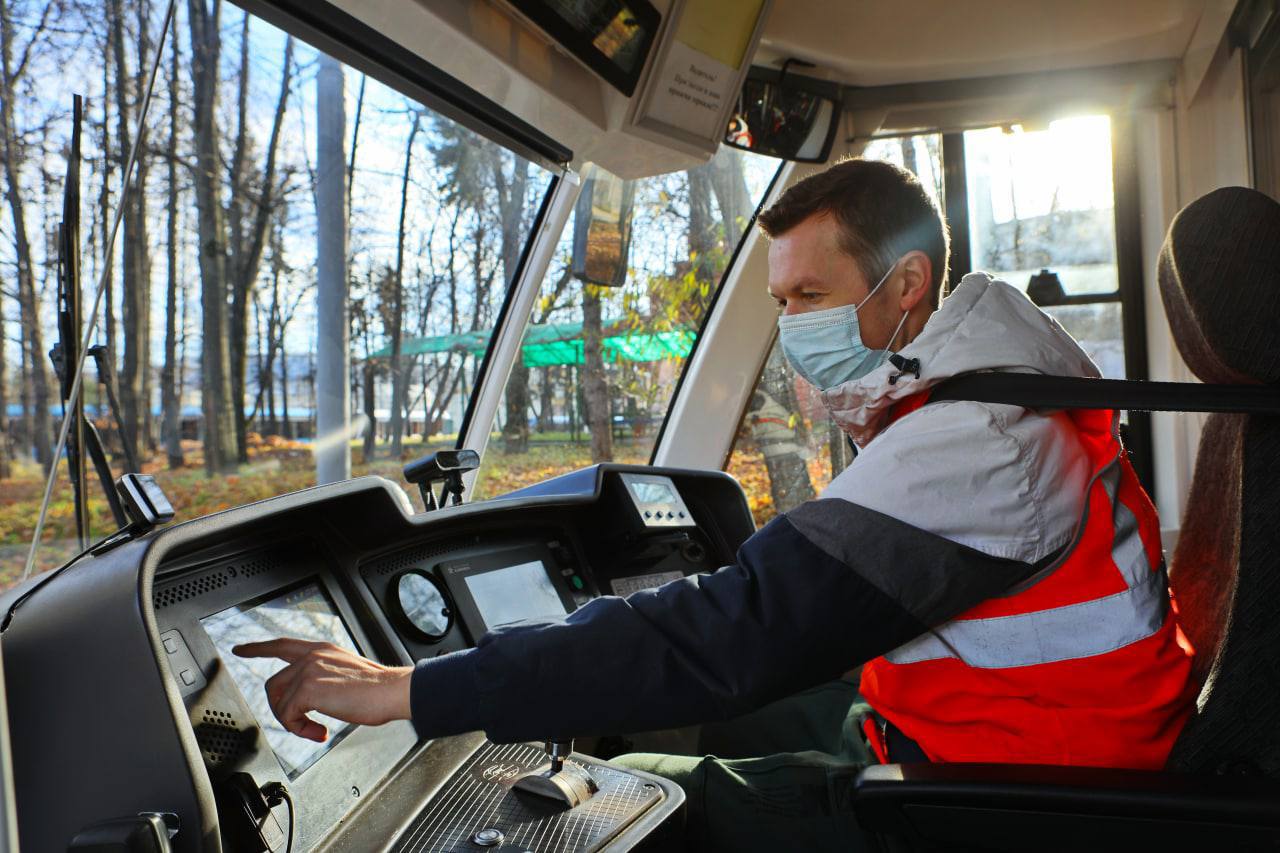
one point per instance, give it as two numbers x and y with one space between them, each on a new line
416 557
220 737
479 797
198 585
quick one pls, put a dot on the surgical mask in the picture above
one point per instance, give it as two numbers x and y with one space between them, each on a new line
826 348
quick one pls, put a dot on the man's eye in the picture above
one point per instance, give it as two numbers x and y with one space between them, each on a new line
811 297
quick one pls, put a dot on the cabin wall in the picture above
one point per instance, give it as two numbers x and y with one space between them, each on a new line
1200 145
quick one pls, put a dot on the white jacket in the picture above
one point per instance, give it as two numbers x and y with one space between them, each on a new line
1001 479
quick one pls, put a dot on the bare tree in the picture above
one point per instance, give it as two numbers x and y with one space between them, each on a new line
248 219
511 193
399 375
595 383
11 71
171 398
219 418
136 285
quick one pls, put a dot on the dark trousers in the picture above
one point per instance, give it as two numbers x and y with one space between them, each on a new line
780 778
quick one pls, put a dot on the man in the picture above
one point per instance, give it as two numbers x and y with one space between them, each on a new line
996 569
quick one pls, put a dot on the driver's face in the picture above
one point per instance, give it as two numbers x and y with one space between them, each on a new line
809 271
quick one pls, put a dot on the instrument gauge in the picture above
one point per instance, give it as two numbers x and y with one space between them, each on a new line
421 606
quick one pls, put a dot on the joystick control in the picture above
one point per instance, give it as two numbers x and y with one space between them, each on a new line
565 781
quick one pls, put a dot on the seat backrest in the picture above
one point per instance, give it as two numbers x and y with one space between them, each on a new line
1220 281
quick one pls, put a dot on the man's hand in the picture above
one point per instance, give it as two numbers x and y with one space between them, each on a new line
330 680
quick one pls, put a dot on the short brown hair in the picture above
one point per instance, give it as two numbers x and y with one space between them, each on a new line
883 212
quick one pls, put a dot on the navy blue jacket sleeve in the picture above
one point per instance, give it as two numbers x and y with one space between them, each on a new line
787 615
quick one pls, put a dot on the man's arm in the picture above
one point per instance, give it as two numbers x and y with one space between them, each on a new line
787 615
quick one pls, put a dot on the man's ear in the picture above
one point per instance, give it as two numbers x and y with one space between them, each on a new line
917 276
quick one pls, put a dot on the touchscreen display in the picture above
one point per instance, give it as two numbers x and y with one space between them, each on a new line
514 594
304 612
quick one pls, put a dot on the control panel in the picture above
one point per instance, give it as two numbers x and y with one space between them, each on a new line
347 564
656 500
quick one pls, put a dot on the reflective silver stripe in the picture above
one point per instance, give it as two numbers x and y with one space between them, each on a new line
1061 633
1046 636
1127 550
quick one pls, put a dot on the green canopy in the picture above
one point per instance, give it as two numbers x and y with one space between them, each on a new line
562 343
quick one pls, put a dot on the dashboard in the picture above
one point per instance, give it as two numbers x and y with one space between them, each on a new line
126 697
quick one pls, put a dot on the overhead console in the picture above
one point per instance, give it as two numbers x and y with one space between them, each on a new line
126 696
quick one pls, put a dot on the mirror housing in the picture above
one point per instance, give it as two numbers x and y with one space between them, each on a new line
785 115
602 229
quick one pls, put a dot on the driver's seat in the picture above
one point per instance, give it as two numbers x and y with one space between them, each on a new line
1220 280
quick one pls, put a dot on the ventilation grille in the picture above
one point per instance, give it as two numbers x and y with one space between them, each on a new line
251 567
213 579
191 588
416 556
220 738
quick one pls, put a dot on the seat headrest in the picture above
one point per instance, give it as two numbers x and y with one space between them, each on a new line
1220 281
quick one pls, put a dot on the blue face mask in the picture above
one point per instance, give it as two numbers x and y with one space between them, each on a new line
826 348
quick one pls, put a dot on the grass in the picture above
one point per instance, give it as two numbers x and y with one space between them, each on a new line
275 466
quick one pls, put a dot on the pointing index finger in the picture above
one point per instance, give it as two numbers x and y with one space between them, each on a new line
286 649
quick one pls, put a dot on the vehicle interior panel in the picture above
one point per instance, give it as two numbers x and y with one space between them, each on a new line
324 565
531 226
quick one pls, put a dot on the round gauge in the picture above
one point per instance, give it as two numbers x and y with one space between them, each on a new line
421 605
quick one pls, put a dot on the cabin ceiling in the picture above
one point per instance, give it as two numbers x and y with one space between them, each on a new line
882 42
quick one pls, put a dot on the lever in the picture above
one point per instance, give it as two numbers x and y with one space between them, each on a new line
566 782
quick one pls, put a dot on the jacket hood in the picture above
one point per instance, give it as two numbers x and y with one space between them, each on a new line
984 325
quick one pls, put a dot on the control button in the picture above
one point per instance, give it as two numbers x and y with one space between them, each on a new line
577 582
170 645
681 513
567 572
488 838
648 514
670 514
188 677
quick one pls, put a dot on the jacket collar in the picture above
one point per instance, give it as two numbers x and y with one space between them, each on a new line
984 325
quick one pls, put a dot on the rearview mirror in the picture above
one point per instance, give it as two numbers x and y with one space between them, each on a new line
783 115
602 229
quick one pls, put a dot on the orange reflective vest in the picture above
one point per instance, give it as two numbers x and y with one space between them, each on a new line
1083 665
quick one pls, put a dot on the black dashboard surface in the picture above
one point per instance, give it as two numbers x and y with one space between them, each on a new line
124 697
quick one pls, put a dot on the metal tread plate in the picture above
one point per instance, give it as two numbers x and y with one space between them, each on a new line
479 797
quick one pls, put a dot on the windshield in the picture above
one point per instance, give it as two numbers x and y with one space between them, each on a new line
210 328
600 365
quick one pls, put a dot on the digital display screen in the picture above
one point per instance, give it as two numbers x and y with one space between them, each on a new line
515 594
652 493
305 613
611 36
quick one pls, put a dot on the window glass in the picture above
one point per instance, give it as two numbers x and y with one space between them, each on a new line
1043 199
787 449
600 363
437 219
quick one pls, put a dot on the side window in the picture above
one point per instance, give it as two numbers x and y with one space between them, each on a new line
600 364
1040 215
1042 200
787 450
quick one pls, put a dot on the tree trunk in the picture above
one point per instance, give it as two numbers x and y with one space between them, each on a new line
515 434
28 300
595 383
286 428
219 417
136 284
104 204
171 395
399 377
333 391
249 234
